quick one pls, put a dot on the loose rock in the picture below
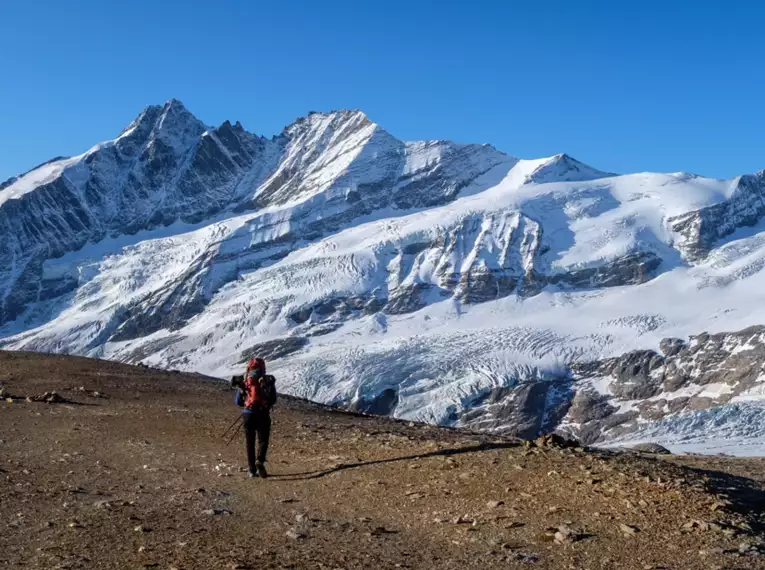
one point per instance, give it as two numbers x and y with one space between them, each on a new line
296 534
215 512
653 448
628 530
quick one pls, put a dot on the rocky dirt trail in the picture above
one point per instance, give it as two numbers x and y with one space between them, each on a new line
125 468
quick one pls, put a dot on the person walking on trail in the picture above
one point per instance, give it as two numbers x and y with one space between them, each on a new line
256 394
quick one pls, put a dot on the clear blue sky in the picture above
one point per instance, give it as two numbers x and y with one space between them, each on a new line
624 86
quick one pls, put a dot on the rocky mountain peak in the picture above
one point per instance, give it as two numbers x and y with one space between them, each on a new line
176 121
564 168
168 120
314 121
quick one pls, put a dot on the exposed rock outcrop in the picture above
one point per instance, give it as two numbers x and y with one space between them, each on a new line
700 230
706 371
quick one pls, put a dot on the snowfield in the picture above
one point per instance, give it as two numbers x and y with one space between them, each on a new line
445 283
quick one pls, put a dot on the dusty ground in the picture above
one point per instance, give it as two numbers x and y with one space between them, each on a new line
137 476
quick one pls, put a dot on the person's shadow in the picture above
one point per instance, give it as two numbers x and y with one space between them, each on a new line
440 453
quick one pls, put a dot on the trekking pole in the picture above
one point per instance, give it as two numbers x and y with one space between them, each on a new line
236 421
233 436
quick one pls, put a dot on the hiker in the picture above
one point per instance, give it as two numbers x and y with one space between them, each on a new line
256 394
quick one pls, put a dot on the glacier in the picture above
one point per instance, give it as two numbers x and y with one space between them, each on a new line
433 281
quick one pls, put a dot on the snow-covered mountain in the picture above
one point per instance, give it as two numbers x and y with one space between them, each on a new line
430 280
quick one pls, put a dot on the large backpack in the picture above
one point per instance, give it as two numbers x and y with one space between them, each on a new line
258 393
258 388
268 389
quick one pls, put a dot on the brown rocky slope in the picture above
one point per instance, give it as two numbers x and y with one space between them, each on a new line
125 468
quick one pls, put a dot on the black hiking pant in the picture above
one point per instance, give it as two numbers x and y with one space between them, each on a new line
257 425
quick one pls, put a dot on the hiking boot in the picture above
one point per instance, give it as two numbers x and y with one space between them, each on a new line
261 470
